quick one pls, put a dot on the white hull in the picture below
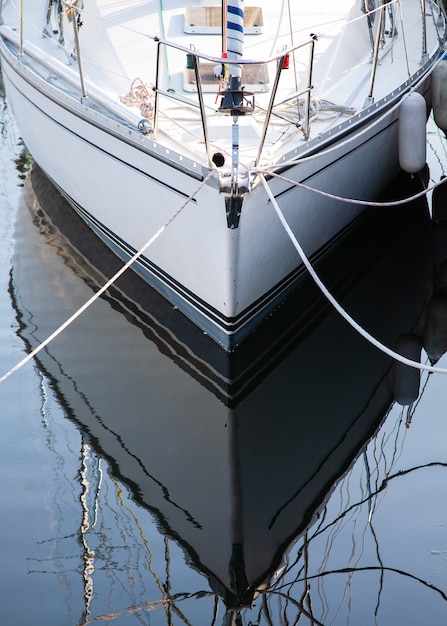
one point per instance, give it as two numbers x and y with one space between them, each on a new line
127 186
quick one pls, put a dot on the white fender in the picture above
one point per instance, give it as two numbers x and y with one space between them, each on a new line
439 94
412 133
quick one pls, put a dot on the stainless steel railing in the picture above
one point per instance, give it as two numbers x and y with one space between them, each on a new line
279 60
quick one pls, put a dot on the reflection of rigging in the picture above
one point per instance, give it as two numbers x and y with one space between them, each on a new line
282 598
90 479
54 554
375 470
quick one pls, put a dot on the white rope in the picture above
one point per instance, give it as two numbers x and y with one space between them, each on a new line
108 284
368 203
335 304
331 196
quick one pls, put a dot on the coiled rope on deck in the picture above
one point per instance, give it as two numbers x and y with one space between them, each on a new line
364 333
108 284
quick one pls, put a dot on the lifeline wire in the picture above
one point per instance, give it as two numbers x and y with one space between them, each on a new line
333 301
108 284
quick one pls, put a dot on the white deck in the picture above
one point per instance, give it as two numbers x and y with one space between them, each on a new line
117 48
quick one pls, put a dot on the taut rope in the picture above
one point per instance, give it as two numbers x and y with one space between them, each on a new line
108 284
333 301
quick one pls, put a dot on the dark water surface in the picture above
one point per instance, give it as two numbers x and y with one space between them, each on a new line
149 479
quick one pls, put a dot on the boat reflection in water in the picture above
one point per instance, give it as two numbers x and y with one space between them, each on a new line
234 457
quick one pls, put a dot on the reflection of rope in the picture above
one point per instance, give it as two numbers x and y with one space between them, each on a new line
333 301
108 284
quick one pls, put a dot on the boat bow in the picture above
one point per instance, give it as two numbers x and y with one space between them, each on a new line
169 106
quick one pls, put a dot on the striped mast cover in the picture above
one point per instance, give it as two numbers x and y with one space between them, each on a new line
234 43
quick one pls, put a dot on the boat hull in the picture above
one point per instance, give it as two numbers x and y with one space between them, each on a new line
226 280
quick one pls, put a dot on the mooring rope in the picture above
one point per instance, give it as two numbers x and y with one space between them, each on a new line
364 333
108 284
391 203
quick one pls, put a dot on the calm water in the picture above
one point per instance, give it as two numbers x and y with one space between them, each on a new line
146 479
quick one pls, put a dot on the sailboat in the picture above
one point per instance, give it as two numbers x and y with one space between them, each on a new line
175 131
